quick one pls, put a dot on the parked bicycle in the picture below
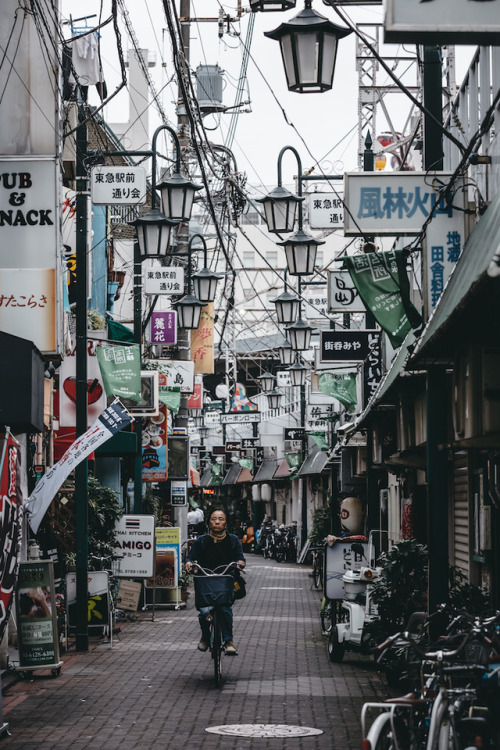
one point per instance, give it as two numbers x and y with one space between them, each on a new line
452 710
214 589
318 564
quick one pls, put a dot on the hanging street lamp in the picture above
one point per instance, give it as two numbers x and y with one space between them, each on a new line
266 381
308 44
269 5
177 191
286 354
300 247
298 373
299 334
273 399
204 281
153 232
287 307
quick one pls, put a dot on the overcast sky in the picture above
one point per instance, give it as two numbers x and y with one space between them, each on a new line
322 127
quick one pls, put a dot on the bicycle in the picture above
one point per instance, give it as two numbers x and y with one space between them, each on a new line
442 717
214 589
318 562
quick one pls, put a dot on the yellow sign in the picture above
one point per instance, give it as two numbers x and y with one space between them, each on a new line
168 535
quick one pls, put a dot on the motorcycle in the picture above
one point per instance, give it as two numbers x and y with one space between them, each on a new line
357 609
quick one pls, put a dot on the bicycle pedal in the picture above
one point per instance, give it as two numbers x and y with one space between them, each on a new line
209 617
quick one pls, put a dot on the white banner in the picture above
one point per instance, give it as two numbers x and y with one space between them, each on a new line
112 420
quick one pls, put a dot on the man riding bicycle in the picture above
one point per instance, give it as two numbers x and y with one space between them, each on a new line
213 550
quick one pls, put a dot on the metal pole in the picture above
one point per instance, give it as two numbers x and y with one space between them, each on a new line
81 471
138 340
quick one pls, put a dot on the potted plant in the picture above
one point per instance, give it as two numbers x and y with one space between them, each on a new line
184 581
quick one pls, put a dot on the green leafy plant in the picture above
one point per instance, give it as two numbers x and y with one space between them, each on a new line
321 524
402 586
463 595
104 511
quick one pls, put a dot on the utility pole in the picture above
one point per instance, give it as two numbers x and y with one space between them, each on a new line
81 471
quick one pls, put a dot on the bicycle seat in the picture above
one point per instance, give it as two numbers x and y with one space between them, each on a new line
410 699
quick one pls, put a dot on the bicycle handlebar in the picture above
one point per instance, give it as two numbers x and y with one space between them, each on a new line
217 571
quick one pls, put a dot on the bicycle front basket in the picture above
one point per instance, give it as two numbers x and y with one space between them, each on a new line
213 591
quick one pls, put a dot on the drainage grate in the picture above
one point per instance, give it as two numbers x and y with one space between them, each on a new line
264 730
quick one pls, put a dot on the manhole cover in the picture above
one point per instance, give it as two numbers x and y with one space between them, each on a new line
264 730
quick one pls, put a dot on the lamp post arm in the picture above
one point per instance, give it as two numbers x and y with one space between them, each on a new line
299 165
174 135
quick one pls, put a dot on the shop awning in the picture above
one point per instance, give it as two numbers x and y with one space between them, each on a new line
232 475
245 476
315 463
266 470
283 470
206 478
474 281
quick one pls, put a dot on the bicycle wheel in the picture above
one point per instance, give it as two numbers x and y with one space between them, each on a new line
279 553
385 734
217 648
327 616
317 572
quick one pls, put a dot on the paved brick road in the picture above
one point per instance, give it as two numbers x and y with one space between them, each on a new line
155 690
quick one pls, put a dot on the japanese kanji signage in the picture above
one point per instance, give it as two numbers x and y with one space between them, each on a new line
164 328
195 401
178 492
247 443
164 280
177 372
202 342
342 294
28 305
345 346
326 210
395 203
372 370
316 303
283 379
118 185
472 22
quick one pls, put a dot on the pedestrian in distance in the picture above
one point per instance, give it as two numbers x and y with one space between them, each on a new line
213 550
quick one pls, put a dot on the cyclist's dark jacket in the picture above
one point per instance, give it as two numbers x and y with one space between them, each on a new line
211 555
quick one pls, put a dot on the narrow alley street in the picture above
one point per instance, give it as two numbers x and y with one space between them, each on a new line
154 689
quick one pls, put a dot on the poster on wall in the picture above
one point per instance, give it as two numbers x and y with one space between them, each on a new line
96 398
11 524
36 615
165 569
154 447
170 539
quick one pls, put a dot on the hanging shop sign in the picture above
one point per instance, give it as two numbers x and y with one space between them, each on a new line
372 369
396 203
343 296
202 342
317 416
316 304
326 210
249 443
178 492
472 22
163 328
283 379
36 615
117 185
233 446
212 418
154 447
11 517
240 417
164 280
134 546
177 373
96 397
345 346
195 400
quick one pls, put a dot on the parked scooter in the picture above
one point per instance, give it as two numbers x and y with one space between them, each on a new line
356 609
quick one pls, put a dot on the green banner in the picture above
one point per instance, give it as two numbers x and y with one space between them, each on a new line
118 332
216 470
293 460
340 386
320 439
382 283
170 396
246 463
121 370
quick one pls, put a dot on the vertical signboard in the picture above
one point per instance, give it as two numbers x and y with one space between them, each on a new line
167 559
36 615
154 447
202 342
134 546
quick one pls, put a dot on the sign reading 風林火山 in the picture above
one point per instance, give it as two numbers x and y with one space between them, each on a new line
326 210
117 185
472 22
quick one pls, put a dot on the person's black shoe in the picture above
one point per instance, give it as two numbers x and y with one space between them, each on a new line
230 649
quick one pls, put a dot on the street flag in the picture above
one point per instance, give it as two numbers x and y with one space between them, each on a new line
121 370
118 332
11 524
170 395
112 420
339 386
382 283
246 463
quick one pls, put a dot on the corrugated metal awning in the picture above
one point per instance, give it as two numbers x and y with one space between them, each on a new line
206 478
266 470
283 470
233 474
314 463
245 476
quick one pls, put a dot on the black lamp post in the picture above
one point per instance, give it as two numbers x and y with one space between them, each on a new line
286 354
267 379
204 281
280 207
299 335
273 399
308 45
268 5
287 306
188 307
177 191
